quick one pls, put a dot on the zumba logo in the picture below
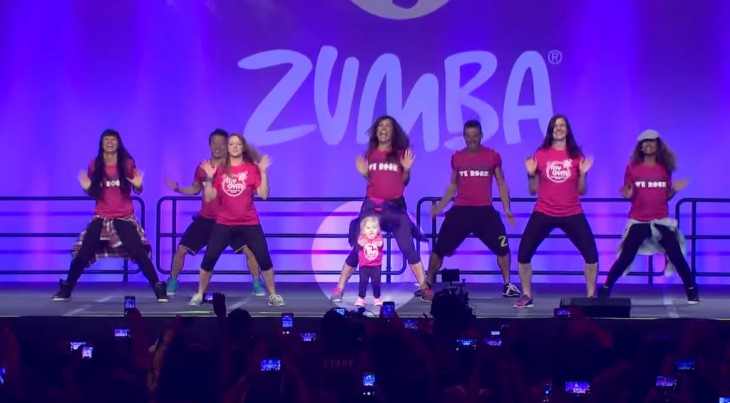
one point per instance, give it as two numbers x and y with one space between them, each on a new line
558 171
388 9
234 186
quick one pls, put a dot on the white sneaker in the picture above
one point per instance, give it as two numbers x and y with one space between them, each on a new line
276 300
196 300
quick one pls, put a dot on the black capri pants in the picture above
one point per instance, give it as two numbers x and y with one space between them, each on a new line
575 227
237 237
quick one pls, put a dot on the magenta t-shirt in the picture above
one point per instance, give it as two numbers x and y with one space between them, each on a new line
112 202
557 194
474 173
385 178
371 251
651 185
235 191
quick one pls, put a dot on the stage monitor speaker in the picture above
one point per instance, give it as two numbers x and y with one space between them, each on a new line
600 307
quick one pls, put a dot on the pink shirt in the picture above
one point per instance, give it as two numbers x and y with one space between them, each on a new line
371 251
112 202
208 209
558 188
236 191
385 179
474 173
651 185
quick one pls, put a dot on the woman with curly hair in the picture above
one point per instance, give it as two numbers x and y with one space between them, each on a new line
648 184
387 168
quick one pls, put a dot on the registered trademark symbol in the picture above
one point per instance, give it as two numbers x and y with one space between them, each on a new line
555 57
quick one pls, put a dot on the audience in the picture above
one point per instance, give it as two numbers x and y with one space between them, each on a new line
437 359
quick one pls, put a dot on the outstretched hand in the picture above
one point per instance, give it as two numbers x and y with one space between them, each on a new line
84 180
585 164
407 160
680 184
208 168
172 185
531 165
362 165
137 180
264 163
510 218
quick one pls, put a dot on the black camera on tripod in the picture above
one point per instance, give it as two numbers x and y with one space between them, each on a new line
457 286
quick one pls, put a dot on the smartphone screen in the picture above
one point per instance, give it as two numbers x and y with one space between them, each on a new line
368 384
341 311
577 388
685 365
308 337
208 298
270 365
74 345
87 352
121 333
411 324
388 310
130 302
561 313
466 344
666 382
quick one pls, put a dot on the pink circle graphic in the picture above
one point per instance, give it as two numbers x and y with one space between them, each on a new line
329 254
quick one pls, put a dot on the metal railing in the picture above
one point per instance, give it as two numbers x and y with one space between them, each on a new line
693 236
175 234
125 272
433 236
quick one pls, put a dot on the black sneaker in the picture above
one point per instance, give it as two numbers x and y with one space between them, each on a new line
693 297
511 291
604 292
64 292
160 292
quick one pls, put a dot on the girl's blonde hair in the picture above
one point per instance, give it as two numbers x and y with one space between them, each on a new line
368 219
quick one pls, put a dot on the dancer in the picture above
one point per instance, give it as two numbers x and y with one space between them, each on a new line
234 184
387 169
557 173
648 184
196 235
113 231
472 170
370 259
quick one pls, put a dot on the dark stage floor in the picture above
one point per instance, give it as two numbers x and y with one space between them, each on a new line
308 300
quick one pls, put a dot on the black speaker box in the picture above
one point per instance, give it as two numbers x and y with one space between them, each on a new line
600 307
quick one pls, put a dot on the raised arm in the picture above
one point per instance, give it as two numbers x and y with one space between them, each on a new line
583 168
263 189
406 162
209 192
191 190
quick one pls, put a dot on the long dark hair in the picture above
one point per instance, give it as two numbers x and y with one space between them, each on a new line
250 154
98 175
574 150
399 141
664 156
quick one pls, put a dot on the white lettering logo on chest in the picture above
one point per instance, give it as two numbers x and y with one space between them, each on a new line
112 183
370 251
558 171
234 185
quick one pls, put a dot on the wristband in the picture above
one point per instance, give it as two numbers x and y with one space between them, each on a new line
531 176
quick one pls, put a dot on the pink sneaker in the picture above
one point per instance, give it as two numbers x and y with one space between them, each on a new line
336 295
377 301
360 302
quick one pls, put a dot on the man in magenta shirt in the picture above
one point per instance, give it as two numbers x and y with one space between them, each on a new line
472 170
557 174
648 184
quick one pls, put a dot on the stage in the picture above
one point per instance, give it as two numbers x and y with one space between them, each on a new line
309 300
95 309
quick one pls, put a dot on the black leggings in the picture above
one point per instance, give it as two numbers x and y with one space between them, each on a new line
367 273
575 227
131 242
237 237
637 234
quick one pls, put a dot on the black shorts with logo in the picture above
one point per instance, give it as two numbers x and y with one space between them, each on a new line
197 234
482 221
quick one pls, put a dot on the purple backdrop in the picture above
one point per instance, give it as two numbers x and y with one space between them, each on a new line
304 82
